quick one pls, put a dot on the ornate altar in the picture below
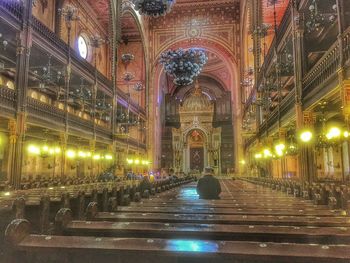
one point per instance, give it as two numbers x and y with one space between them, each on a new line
196 144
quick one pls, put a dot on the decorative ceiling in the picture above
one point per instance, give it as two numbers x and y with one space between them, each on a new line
101 7
203 3
268 11
130 31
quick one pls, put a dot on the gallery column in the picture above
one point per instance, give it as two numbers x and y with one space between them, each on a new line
17 126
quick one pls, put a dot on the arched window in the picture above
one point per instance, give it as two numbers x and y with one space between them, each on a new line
83 47
10 85
61 106
34 95
43 98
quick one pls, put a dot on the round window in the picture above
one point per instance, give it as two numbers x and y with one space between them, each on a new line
83 47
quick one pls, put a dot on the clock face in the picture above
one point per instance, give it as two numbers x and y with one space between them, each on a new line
82 47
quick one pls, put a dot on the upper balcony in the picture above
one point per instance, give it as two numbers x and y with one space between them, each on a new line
47 41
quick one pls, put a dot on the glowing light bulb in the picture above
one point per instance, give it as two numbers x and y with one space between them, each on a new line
82 154
108 157
333 133
306 136
57 150
267 153
280 149
258 156
33 149
97 157
71 154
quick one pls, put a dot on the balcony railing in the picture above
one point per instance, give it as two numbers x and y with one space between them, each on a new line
328 65
48 112
103 132
7 98
286 105
45 111
346 44
324 69
79 123
15 8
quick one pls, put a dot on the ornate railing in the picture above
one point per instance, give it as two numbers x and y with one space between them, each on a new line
286 105
7 98
15 8
79 123
45 111
103 132
346 44
133 142
324 69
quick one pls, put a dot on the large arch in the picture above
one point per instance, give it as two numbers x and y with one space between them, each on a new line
227 56
127 7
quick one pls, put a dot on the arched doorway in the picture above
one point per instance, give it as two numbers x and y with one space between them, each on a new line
196 147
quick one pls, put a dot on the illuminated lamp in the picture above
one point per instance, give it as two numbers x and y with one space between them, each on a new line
108 157
346 134
82 154
71 154
96 157
137 161
57 150
130 161
267 153
279 148
333 133
45 148
306 136
32 149
258 156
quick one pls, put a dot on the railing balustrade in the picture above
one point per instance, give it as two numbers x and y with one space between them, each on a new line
15 8
7 97
324 69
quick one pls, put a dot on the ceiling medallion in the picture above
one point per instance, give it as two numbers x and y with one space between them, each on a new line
193 32
184 65
154 8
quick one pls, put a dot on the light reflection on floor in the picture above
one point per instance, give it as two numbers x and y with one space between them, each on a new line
188 193
192 246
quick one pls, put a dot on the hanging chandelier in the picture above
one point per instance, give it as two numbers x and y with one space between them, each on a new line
316 19
154 8
183 65
46 76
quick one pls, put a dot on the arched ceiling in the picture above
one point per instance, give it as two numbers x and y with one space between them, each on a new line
268 10
202 3
101 7
210 87
129 29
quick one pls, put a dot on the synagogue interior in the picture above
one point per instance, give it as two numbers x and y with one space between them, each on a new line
174 131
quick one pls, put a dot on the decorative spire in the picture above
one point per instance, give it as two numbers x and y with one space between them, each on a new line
197 89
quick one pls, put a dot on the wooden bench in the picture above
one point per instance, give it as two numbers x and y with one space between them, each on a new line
24 247
304 234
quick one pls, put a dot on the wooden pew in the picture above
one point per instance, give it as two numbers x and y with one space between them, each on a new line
223 219
24 247
305 234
